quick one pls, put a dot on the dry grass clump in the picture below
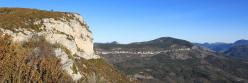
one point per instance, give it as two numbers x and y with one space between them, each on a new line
102 71
35 62
21 64
14 18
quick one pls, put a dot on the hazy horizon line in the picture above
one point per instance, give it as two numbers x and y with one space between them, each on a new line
171 37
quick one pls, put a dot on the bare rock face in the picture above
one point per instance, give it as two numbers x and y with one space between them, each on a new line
71 34
50 47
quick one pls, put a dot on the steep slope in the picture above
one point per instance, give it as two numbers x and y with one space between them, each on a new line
240 42
50 47
170 60
218 47
238 52
238 49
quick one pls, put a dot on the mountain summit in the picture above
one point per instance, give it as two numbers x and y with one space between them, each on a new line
241 42
169 41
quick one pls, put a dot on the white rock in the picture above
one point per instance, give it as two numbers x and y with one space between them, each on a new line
67 64
72 34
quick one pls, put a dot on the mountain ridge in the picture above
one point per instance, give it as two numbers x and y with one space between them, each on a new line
235 50
180 64
221 46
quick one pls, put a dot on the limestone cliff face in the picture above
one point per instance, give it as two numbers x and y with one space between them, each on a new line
73 34
64 35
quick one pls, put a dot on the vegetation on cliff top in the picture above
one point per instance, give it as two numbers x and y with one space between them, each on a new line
14 18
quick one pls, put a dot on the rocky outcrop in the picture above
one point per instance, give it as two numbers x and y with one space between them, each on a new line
65 34
70 34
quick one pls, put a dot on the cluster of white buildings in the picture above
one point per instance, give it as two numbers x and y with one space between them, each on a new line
141 52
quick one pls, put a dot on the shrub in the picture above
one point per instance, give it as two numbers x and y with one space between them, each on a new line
14 18
18 63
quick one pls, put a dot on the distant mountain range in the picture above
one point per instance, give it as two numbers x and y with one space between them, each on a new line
218 47
171 60
238 49
240 42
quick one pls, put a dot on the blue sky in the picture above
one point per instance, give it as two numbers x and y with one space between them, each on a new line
140 20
